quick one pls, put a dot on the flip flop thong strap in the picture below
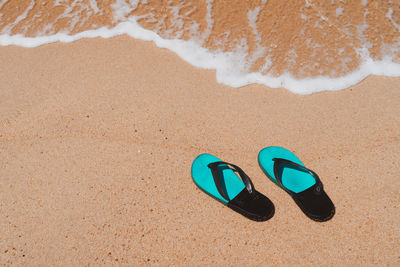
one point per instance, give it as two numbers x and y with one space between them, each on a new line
277 164
217 179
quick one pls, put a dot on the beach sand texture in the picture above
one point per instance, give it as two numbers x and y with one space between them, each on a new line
97 138
97 144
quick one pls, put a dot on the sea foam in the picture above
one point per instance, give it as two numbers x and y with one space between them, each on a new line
232 67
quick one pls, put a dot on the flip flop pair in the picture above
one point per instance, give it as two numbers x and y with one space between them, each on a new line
219 180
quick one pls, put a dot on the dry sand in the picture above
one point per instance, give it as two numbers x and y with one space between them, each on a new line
96 144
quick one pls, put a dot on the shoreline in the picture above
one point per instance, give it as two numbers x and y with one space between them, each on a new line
220 63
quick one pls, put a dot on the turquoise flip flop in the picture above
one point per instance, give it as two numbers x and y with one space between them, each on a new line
305 187
218 179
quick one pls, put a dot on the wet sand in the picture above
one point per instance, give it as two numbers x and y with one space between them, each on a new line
304 38
96 145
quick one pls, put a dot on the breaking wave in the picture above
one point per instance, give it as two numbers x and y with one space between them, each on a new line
305 46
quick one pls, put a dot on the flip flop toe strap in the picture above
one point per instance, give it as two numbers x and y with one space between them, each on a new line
217 177
279 161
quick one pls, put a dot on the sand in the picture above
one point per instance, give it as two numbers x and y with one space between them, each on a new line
97 141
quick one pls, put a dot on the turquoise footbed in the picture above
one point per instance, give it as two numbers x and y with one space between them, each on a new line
202 176
295 180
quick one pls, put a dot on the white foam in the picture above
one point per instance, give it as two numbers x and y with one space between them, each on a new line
210 22
339 11
177 22
2 3
259 52
122 9
231 67
10 26
93 5
389 16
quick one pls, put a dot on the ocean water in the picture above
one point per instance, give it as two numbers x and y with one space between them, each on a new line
305 46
